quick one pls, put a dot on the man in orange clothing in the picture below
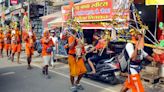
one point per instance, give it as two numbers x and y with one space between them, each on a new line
29 38
76 64
8 42
47 44
1 42
16 44
136 55
101 44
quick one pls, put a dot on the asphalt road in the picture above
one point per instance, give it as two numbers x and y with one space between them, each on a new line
16 78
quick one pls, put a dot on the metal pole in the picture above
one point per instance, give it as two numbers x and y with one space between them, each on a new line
134 16
3 10
45 7
47 10
9 3
29 9
156 22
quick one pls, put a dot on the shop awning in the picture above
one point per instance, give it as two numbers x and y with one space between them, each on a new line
56 14
56 21
102 26
49 18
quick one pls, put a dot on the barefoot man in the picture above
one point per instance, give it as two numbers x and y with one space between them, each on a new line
76 63
16 44
8 42
29 38
1 42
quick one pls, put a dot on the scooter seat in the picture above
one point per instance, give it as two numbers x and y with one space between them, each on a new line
105 66
106 60
102 61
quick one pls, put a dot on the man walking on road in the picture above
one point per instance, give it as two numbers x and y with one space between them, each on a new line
16 44
1 42
47 44
76 64
55 48
136 55
29 38
8 42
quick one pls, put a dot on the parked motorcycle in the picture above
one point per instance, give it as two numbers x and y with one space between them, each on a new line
105 71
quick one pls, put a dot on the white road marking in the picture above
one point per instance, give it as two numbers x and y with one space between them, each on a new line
66 66
7 73
66 76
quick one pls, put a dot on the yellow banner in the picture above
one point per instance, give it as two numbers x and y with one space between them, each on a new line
154 2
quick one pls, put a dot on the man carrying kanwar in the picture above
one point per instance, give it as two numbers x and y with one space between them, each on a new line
29 39
75 61
16 44
136 54
1 42
7 41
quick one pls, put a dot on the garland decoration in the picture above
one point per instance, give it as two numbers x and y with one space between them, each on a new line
26 22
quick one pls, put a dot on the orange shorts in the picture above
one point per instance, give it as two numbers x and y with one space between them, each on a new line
134 83
8 46
16 48
76 67
1 45
29 51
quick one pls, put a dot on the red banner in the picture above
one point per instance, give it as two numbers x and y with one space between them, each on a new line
104 10
14 1
94 11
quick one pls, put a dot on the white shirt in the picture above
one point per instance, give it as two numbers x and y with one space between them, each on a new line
54 39
130 50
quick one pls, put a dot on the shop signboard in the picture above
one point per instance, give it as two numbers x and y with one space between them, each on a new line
154 2
93 11
103 10
66 12
97 11
14 2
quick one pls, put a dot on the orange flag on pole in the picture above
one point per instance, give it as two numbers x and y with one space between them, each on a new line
71 3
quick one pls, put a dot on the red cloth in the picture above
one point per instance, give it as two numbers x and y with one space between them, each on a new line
161 37
159 58
101 44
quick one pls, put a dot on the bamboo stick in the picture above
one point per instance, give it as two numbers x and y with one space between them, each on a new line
146 44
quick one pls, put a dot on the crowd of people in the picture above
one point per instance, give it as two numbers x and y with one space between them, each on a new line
11 39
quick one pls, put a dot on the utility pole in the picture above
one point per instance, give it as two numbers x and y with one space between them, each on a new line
46 2
9 3
29 10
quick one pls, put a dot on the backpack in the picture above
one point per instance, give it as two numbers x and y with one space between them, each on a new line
123 59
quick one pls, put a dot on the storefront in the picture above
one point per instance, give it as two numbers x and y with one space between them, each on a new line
36 11
98 15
